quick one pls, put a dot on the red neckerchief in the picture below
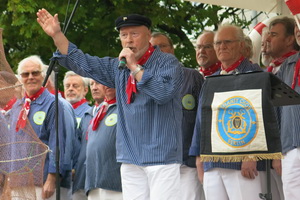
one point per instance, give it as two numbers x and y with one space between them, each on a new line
79 103
131 83
60 92
234 65
21 123
10 104
101 113
278 61
296 74
210 70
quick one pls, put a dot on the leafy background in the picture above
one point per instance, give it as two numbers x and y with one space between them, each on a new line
92 27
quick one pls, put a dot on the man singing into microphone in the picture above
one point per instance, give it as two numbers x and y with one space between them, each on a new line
149 143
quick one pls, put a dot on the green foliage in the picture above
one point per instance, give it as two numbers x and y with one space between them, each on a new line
92 27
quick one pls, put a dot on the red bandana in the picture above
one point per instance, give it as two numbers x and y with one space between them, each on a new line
9 105
278 61
296 74
233 66
60 92
131 83
21 123
210 70
79 103
101 113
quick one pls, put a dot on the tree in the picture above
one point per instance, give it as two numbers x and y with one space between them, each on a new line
92 28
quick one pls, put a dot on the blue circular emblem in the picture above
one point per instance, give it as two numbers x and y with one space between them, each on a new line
237 122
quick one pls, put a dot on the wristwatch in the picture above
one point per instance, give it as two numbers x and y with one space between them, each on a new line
137 70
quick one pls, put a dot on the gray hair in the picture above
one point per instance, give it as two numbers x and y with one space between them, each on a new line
249 45
35 59
71 73
239 32
206 32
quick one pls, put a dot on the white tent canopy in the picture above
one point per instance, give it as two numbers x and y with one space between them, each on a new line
268 6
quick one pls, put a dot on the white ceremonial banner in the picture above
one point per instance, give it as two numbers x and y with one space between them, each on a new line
237 122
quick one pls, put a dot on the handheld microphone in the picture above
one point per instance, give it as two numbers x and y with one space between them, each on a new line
122 63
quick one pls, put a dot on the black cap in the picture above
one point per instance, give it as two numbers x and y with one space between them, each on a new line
132 20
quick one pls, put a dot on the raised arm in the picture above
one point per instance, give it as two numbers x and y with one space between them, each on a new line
51 26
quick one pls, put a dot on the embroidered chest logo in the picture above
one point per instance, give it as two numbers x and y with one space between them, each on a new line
111 120
39 117
237 124
188 102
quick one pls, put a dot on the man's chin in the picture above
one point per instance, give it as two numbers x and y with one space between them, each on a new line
72 100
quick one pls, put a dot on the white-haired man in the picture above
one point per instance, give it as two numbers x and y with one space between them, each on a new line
39 108
75 90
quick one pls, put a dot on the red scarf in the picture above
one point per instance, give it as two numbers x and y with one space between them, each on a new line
278 61
210 70
79 103
60 92
21 123
233 66
9 105
131 83
102 112
296 75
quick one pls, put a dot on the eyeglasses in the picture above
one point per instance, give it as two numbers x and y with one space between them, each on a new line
225 42
34 73
205 47
125 35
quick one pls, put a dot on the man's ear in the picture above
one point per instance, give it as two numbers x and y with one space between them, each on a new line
290 40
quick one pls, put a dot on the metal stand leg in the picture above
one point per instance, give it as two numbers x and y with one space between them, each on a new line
268 195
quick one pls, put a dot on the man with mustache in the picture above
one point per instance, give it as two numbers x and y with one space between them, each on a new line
75 89
206 55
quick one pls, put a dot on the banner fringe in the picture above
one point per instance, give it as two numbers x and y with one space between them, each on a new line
240 157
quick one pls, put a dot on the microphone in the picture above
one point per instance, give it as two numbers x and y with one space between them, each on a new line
122 63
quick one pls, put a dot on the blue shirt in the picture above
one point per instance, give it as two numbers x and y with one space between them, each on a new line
190 90
148 132
80 110
290 115
42 120
70 124
245 66
80 162
102 169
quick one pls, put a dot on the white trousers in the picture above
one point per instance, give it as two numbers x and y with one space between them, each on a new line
63 194
38 193
158 182
229 184
79 195
101 194
291 175
190 186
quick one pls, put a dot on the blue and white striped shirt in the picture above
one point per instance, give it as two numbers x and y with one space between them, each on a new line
149 129
290 115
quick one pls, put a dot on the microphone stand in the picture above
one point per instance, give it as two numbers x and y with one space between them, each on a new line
53 65
268 195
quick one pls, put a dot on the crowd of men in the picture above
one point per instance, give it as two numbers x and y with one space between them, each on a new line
141 137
